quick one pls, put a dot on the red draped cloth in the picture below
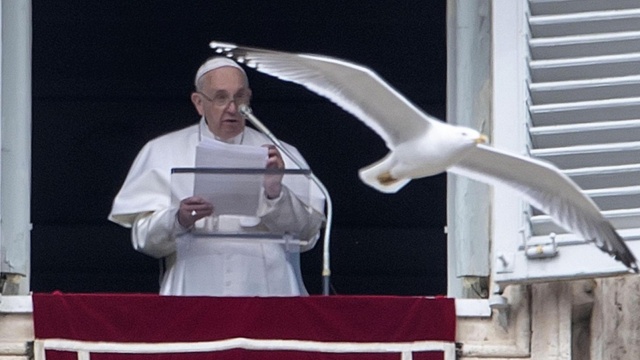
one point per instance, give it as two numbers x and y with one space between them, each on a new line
136 318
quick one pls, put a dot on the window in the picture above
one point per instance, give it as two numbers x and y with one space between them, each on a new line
576 103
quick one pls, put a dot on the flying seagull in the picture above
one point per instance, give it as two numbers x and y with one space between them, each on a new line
421 145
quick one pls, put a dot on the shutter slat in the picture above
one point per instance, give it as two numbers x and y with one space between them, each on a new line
585 17
584 90
577 128
580 134
600 177
620 218
551 7
585 45
587 67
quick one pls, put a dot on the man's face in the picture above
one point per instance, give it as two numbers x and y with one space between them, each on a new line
214 101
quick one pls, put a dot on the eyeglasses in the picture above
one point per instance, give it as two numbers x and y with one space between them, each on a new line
223 98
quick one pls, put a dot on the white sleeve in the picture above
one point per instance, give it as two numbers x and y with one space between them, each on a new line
287 213
154 233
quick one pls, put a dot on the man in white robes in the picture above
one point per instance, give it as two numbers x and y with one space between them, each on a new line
165 229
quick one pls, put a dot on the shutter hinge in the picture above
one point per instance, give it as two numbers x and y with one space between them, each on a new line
542 250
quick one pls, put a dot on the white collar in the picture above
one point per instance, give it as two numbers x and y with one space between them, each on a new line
203 130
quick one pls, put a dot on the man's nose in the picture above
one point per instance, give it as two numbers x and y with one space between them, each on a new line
232 107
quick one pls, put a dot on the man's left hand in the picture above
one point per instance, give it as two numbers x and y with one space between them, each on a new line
273 182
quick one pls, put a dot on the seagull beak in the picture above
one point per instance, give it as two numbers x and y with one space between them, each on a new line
482 139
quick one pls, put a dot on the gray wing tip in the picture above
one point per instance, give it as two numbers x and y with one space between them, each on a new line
619 250
626 257
629 260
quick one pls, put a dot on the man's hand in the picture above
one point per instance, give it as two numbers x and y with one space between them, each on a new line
273 182
193 209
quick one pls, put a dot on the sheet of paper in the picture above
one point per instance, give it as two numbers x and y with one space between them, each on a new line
236 194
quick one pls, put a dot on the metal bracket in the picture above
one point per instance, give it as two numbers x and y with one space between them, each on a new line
505 262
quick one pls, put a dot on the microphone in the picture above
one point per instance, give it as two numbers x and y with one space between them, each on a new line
247 113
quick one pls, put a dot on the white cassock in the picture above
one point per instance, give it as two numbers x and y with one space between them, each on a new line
205 265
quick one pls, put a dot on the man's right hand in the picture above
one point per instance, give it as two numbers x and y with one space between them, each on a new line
193 209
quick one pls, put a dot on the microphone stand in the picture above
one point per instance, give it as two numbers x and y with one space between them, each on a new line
247 113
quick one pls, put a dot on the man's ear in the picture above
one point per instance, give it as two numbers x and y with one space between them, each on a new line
197 102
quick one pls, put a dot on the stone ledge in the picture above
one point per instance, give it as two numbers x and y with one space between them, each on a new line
16 349
15 304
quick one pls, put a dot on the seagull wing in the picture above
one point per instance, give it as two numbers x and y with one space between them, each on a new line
355 88
552 192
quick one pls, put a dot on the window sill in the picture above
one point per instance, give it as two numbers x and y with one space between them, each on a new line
16 304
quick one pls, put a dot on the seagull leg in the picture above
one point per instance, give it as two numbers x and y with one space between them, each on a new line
386 179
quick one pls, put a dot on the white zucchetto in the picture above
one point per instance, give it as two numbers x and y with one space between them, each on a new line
215 63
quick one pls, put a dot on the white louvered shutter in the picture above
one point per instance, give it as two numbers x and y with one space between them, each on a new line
582 95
